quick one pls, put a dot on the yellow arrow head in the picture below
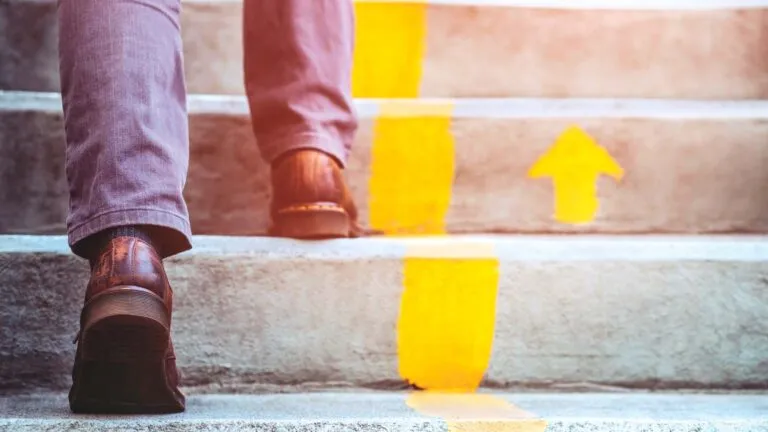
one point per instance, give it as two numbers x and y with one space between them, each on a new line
576 154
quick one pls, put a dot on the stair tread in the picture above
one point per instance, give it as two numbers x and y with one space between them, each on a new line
508 247
567 4
364 411
467 107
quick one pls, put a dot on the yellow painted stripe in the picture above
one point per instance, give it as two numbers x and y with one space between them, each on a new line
447 314
475 412
412 166
389 49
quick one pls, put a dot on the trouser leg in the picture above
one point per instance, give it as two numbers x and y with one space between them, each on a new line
298 61
125 117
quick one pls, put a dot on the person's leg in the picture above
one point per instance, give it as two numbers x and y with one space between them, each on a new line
124 102
298 61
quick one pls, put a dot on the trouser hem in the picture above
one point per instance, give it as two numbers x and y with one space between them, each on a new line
175 238
273 148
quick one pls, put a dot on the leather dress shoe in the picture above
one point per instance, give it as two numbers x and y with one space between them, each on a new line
310 199
125 361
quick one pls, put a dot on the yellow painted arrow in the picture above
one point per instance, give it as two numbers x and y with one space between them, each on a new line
574 162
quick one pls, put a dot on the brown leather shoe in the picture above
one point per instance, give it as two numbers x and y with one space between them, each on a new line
125 361
310 199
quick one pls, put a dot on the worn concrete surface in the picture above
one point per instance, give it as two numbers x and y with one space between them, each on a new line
29 58
363 412
647 312
497 52
693 167
474 51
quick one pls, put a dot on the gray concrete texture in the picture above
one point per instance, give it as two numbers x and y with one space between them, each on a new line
391 412
474 51
633 312
682 174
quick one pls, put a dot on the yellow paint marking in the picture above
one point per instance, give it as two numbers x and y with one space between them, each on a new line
447 314
389 49
406 108
574 162
411 169
475 412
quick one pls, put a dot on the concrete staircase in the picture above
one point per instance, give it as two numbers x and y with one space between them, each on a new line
495 127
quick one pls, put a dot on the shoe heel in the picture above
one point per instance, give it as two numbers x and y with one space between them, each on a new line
311 221
123 348
123 323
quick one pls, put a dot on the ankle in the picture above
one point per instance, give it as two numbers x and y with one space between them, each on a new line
307 154
95 244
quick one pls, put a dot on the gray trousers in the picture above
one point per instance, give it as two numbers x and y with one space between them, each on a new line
124 100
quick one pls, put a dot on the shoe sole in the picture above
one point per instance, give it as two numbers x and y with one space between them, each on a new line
312 221
122 356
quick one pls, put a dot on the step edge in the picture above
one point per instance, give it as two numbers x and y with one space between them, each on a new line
222 408
600 5
637 5
506 248
484 108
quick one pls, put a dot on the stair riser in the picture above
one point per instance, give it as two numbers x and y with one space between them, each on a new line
682 175
277 312
475 51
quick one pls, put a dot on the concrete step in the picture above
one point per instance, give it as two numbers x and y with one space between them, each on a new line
473 48
415 412
464 166
541 312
